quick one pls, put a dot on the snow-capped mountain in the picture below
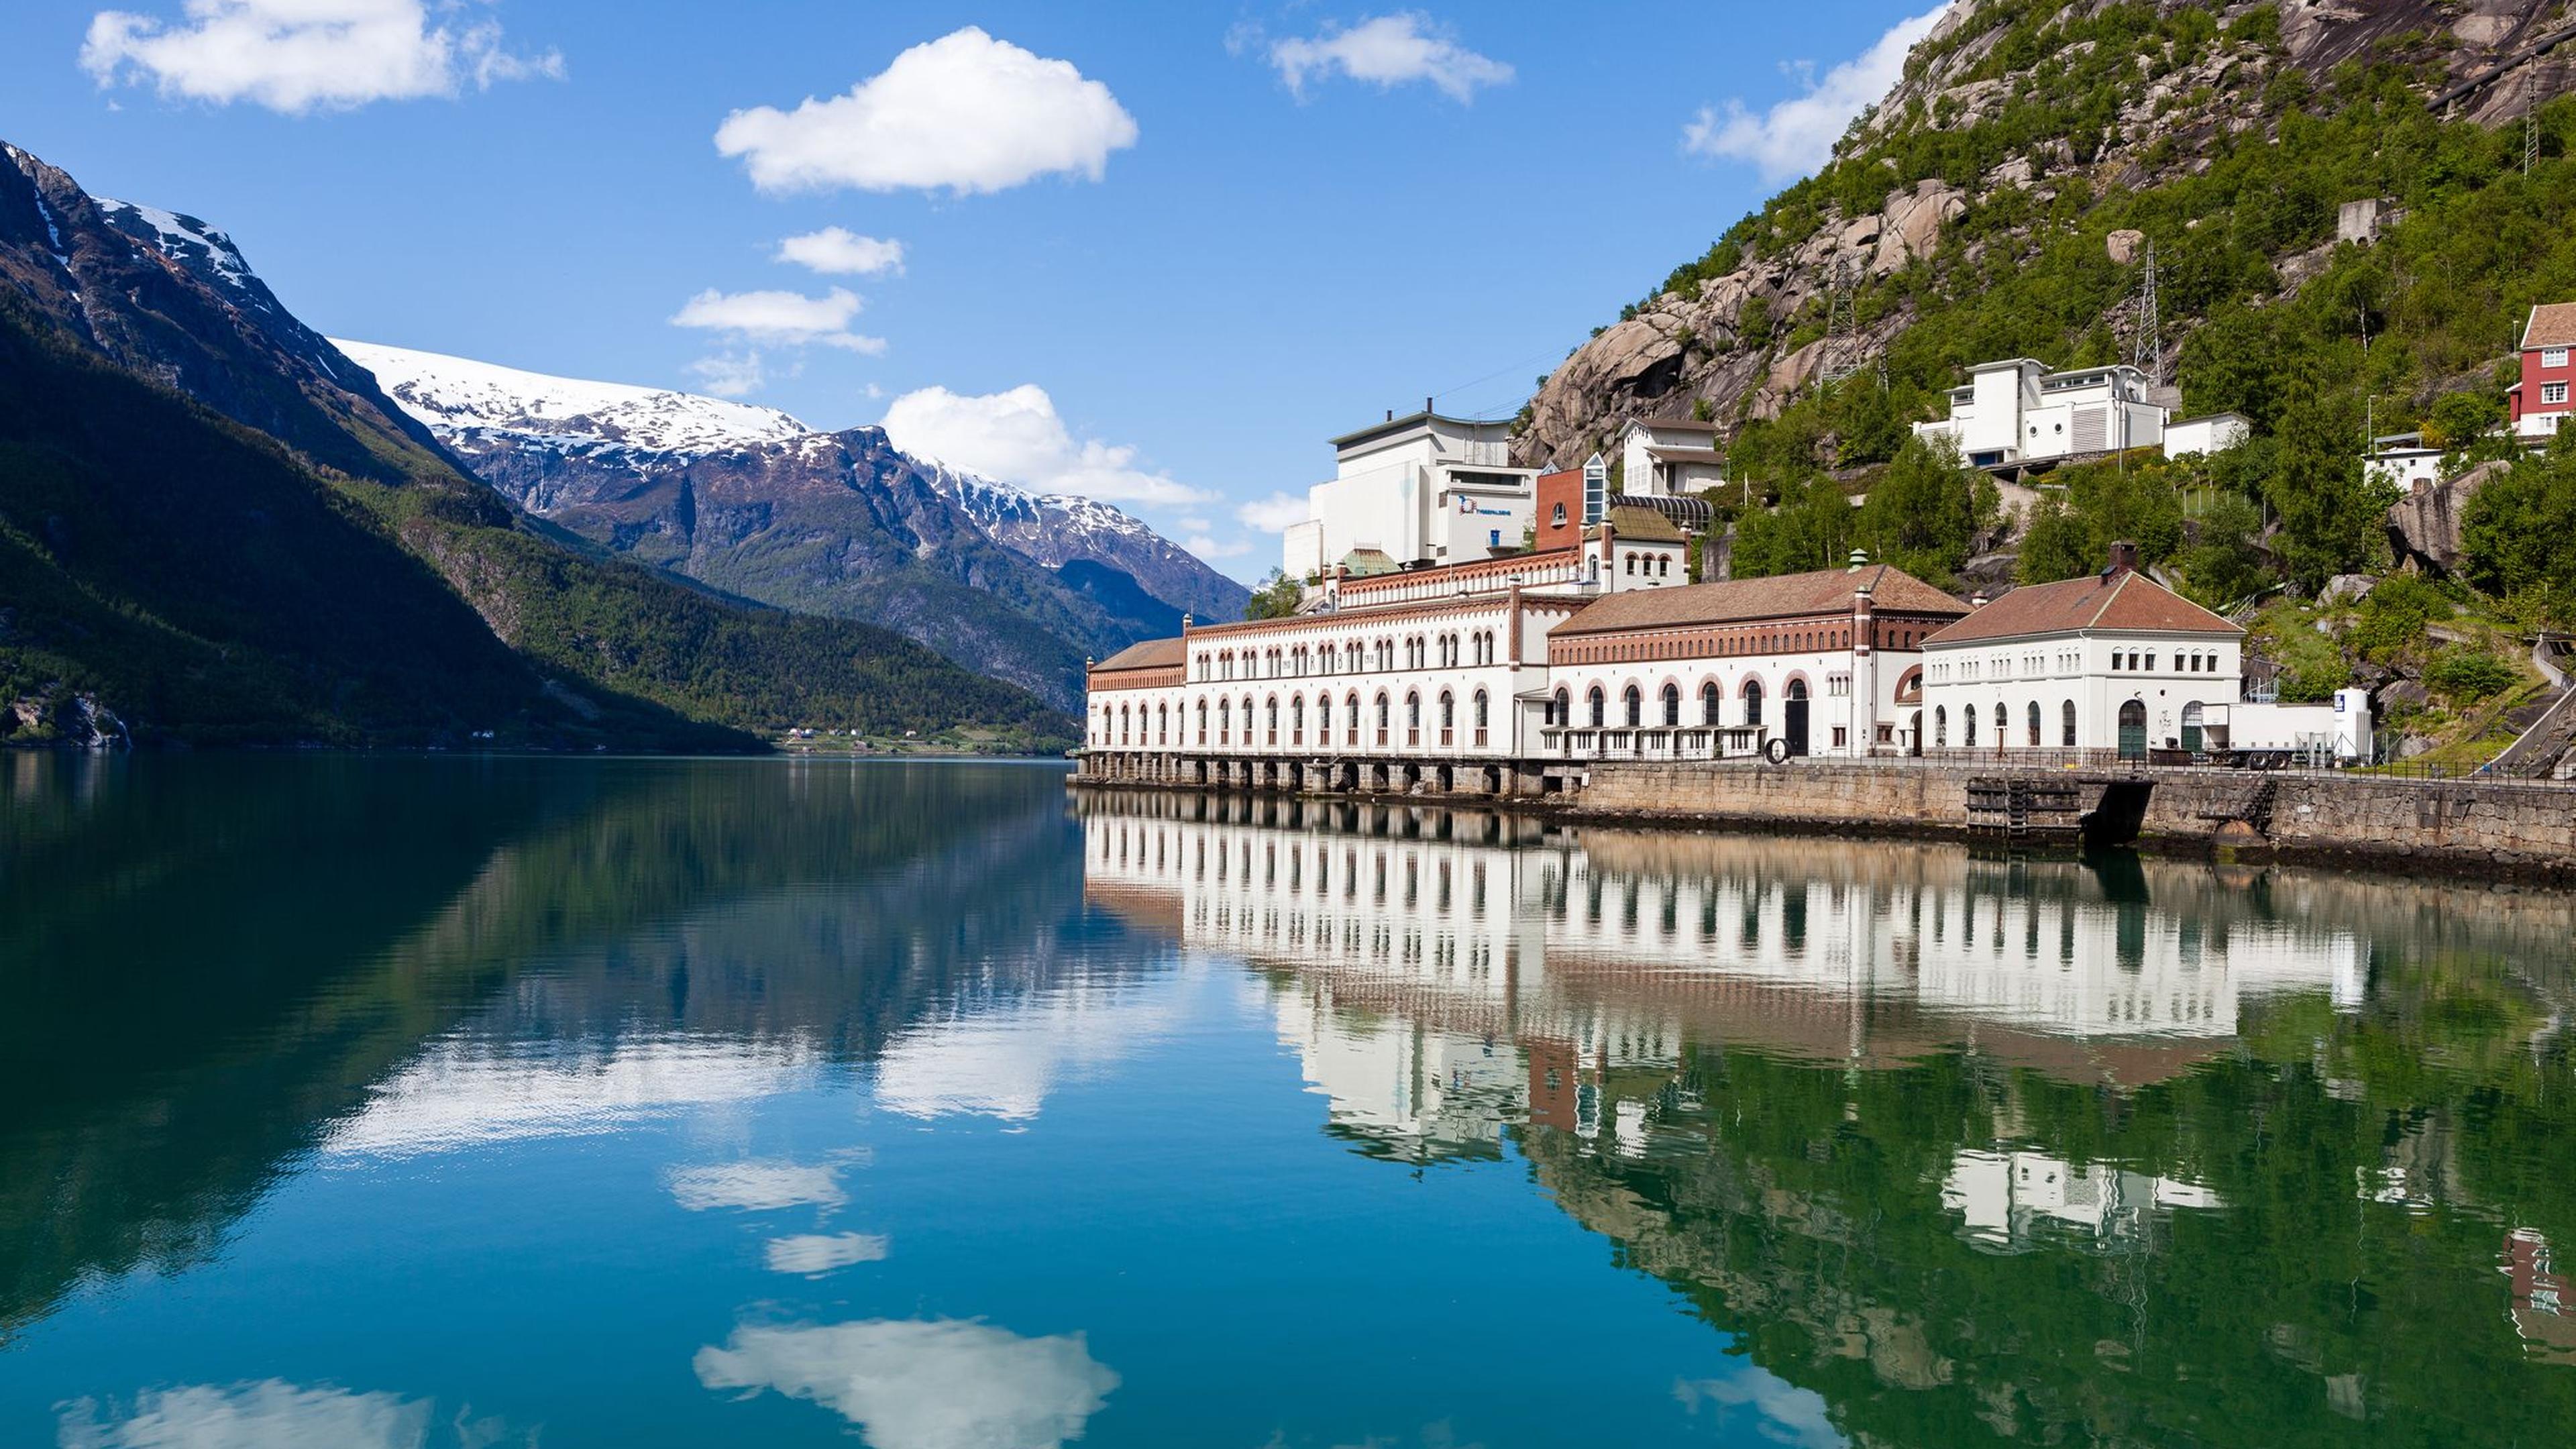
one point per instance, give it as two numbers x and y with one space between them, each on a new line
749 500
457 395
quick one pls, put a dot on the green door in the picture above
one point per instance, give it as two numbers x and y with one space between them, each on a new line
2191 736
2133 731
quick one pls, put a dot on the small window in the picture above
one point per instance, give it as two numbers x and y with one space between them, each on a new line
2553 392
2553 357
1558 518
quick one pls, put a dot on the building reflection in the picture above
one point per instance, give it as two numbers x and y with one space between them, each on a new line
2126 1152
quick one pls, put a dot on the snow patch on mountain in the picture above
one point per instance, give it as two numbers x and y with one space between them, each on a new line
456 396
186 239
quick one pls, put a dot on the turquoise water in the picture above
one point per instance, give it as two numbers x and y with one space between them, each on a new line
456 1102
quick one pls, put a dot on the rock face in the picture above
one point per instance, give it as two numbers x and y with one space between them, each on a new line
748 500
2424 528
1687 351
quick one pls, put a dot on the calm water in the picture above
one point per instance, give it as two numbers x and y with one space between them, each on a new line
447 1103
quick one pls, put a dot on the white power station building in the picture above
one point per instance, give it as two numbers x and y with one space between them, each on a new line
1417 489
2017 412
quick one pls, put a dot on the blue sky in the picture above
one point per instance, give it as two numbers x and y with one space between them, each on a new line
1154 251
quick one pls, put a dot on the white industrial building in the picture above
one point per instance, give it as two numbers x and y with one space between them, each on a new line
2016 412
1669 458
1418 489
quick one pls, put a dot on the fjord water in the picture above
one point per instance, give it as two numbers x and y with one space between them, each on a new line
470 1102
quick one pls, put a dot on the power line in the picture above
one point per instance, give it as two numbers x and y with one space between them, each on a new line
2147 352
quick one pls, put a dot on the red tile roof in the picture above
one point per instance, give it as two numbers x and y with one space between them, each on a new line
1147 654
1785 596
2123 600
2552 324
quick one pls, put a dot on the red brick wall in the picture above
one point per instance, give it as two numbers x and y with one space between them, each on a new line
1556 489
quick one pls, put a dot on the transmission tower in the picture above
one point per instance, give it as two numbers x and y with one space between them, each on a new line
1842 323
2147 353
2530 119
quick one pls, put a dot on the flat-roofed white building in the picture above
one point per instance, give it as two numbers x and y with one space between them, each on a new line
1422 488
1669 458
2215 433
2113 662
2016 412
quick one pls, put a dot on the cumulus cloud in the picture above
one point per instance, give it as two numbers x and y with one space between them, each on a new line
839 251
923 1383
244 1416
964 113
757 1186
1797 136
1017 437
783 318
1275 513
1210 546
1388 51
813 1254
301 55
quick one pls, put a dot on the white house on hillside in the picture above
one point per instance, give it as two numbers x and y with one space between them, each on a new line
1669 458
2016 412
1420 488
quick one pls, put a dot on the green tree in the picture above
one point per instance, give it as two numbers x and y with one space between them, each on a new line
1275 597
2223 564
1921 513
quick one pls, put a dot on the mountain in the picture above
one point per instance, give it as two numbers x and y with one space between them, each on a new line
1998 202
749 500
215 528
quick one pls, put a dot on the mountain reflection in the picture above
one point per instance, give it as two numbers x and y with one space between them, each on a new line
545 948
1961 1149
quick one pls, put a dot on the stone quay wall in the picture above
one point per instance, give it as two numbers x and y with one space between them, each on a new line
2506 828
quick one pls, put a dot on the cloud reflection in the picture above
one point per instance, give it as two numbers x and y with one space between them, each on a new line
817 1253
1783 1414
1003 1063
923 1384
757 1185
268 1414
464 1093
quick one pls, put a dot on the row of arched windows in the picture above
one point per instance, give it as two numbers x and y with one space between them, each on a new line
1153 725
1668 706
1354 656
2000 725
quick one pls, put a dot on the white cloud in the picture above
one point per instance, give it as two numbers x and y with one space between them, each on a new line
1208 546
924 1384
757 1186
841 251
731 374
1017 437
1277 512
965 112
300 55
247 1416
1797 136
1389 50
1005 1062
782 318
813 1254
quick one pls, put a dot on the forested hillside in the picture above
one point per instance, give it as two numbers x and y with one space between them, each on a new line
214 528
2003 201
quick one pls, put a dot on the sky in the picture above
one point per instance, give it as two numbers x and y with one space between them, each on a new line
1152 252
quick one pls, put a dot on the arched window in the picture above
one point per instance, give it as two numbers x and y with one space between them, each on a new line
1225 721
1797 689
1202 721
2034 724
1479 720
1634 703
1708 704
1297 720
1753 701
1968 727
1448 716
2066 724
1598 702
1672 706
1270 719
1162 724
1382 707
1560 708
1941 728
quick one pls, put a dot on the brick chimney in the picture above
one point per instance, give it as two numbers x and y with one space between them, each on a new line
2124 560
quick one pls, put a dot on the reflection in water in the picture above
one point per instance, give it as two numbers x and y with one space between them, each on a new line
814 1254
1959 1149
923 1384
273 1414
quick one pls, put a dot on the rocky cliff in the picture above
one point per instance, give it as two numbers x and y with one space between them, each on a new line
2012 125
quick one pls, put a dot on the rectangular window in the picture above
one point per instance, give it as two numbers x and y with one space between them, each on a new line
2553 392
2553 357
